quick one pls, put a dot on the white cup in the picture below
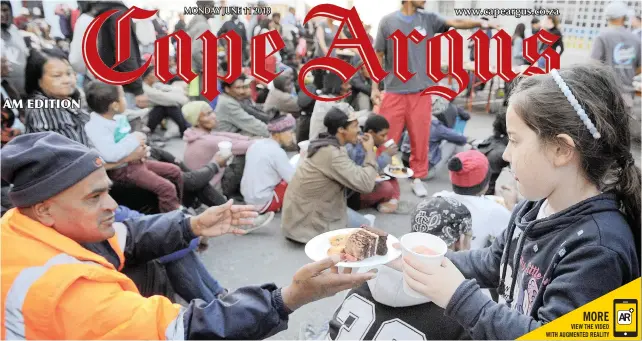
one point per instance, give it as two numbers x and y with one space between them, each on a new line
303 146
412 240
225 148
389 143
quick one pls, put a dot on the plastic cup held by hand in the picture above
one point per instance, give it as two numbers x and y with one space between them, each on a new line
303 147
225 148
389 143
425 248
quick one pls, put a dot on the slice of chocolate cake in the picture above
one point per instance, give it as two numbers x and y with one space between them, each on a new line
382 241
362 244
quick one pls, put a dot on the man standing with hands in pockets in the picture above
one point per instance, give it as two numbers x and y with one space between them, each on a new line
402 104
63 254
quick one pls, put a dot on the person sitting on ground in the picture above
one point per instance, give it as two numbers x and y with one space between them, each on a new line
470 176
163 179
281 98
444 142
254 109
64 212
166 102
49 76
448 113
332 87
231 116
267 167
383 302
494 147
202 147
314 201
386 193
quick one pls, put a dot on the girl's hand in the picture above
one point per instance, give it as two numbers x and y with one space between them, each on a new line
438 283
509 193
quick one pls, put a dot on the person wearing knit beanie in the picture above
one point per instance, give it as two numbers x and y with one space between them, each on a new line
469 172
470 178
267 167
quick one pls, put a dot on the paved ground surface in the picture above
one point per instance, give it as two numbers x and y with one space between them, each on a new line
266 256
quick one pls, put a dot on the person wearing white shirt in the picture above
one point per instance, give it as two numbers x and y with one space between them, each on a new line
470 176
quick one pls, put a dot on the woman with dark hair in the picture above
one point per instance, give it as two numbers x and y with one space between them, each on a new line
50 76
518 45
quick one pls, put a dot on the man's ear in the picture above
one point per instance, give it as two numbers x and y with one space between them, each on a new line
42 213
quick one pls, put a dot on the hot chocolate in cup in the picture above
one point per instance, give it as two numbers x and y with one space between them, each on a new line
425 248
225 148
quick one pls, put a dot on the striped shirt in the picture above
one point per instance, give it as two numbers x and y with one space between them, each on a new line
66 122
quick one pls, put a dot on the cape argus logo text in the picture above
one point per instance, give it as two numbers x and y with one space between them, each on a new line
344 70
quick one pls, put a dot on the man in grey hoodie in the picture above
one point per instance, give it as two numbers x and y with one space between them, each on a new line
382 308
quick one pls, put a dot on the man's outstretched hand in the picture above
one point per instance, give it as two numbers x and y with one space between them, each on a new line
319 280
223 219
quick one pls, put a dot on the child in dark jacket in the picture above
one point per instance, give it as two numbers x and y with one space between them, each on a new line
158 177
576 237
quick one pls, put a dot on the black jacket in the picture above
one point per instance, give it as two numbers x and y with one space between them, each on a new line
107 44
253 312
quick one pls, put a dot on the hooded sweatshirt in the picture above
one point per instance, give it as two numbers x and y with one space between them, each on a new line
552 265
381 309
202 145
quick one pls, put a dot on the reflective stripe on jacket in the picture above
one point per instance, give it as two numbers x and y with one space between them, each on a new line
53 288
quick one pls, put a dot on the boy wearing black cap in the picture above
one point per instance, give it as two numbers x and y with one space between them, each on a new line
381 308
315 200
267 167
470 178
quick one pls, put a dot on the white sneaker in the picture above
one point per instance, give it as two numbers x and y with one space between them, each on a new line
418 188
260 221
371 218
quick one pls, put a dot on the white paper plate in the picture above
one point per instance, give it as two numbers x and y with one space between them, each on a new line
382 178
317 249
408 174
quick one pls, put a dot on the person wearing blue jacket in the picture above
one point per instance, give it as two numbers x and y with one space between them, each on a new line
386 194
444 143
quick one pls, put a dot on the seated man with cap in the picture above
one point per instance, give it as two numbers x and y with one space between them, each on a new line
315 200
267 167
62 251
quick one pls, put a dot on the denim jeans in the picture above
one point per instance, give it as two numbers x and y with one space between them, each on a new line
191 280
185 271
355 219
